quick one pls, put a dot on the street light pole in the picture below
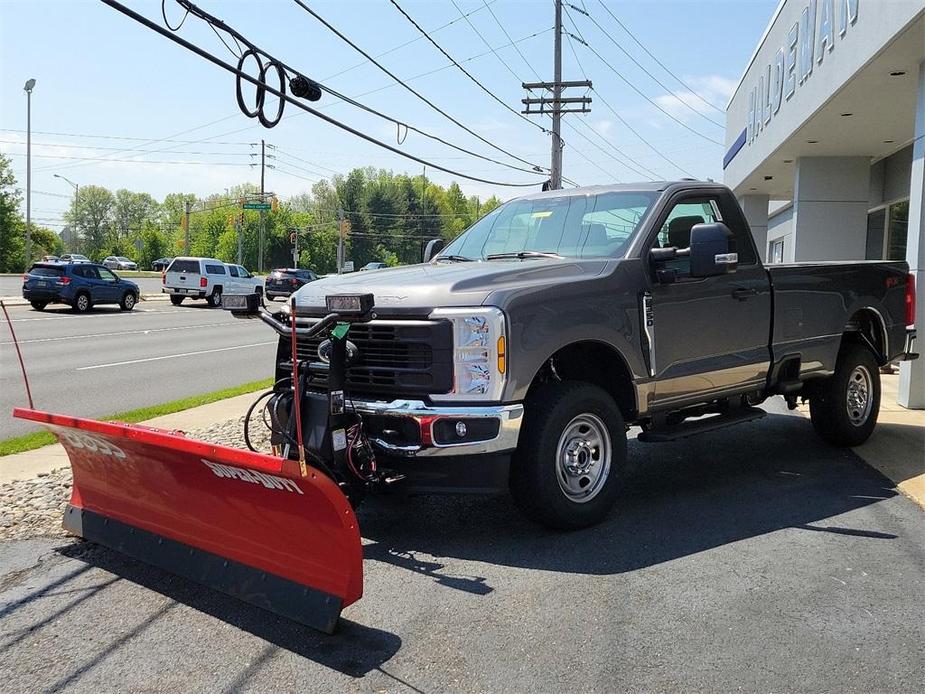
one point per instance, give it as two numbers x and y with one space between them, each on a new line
30 84
76 187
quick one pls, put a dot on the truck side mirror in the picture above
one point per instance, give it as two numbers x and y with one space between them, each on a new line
709 251
433 247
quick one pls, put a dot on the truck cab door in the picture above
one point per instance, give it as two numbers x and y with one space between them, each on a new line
708 336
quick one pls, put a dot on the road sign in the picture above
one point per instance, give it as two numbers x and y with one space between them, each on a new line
256 206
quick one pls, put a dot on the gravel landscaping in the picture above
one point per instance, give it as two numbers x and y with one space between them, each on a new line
34 507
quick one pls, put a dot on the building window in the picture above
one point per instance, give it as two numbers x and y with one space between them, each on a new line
876 226
897 231
776 251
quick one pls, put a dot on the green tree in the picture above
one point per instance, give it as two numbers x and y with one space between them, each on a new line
153 245
11 225
45 242
92 216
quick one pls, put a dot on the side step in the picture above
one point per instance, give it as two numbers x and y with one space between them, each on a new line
700 426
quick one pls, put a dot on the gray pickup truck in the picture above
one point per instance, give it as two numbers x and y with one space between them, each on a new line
519 356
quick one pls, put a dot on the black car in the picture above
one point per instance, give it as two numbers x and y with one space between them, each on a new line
284 281
79 285
161 264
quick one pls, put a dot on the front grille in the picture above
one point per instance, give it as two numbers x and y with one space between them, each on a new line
393 358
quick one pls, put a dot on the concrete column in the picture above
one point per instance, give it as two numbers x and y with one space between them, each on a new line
912 373
830 200
755 208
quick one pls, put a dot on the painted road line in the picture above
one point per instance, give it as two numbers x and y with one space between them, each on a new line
122 332
174 356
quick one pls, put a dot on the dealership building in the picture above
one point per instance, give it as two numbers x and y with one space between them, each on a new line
825 140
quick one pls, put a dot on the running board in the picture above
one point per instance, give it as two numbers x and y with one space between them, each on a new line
700 426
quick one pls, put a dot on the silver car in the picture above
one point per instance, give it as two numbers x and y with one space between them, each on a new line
119 262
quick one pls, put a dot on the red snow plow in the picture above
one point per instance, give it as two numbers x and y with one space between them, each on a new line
277 531
244 523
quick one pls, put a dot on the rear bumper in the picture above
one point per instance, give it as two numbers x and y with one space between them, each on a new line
50 296
489 430
183 291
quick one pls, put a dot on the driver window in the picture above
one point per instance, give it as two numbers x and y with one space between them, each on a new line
106 275
676 231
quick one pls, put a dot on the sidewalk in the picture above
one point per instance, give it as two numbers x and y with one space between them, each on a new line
23 466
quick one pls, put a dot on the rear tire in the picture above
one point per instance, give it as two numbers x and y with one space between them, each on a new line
128 301
38 305
82 303
566 471
844 407
215 298
176 300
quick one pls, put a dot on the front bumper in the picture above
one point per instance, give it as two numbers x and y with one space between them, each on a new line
501 422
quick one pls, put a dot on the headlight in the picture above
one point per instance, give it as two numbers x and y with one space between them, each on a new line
479 352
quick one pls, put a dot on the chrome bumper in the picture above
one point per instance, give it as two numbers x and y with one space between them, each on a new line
509 418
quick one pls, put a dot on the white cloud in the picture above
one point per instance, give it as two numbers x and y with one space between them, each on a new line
685 104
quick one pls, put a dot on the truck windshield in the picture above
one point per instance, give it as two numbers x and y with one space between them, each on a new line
572 226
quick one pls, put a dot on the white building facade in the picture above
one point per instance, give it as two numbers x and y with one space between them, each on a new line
825 140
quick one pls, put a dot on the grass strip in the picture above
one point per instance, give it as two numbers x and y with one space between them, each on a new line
37 439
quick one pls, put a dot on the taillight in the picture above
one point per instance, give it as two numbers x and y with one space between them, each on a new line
64 281
25 277
163 278
293 282
910 300
203 282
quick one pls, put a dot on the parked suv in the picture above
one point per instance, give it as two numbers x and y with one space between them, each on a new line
74 258
119 262
79 285
207 278
284 281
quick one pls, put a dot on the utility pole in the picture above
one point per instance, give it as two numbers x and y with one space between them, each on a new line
239 225
553 106
263 153
340 240
423 209
186 228
294 236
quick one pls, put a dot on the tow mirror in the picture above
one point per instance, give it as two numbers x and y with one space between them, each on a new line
709 251
433 247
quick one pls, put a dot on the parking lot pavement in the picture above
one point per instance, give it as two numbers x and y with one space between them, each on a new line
111 361
755 558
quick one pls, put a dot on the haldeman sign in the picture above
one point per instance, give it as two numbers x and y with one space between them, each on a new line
806 45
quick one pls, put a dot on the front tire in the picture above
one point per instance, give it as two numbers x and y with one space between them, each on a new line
215 299
128 301
572 452
844 407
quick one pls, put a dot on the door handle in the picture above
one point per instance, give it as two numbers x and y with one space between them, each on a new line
743 293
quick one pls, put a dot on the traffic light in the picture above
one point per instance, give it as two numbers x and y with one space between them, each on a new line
292 238
274 204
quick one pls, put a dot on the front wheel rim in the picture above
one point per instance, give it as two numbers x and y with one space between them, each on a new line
129 301
859 396
583 458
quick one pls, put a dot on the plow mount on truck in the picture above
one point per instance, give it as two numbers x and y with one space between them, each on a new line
277 531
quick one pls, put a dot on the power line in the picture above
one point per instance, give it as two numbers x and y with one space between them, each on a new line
649 175
513 43
661 64
643 68
119 137
276 92
644 96
479 34
420 96
460 67
120 149
126 161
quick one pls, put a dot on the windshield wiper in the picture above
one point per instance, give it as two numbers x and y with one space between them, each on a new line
523 254
454 258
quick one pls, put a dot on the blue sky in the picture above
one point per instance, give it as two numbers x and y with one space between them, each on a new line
100 73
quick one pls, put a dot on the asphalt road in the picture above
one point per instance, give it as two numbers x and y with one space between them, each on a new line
110 361
753 559
12 286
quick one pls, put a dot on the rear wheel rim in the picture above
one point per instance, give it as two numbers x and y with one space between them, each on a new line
583 458
859 395
82 303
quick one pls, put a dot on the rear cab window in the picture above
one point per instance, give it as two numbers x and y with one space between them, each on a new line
190 266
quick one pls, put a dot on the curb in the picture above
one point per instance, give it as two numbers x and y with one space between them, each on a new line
19 301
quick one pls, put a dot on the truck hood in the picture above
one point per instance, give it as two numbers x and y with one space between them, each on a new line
420 288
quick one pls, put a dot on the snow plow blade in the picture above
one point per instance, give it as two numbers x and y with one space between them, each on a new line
243 523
